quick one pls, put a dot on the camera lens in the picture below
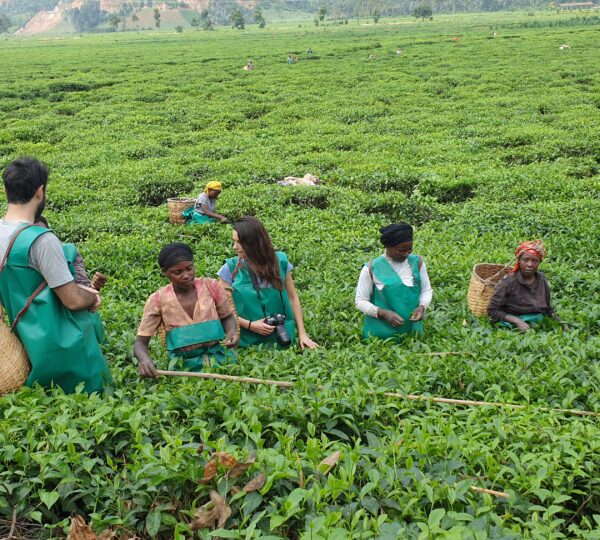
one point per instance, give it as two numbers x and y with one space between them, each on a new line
283 338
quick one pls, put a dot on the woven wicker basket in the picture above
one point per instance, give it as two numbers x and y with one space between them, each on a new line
14 364
176 206
481 288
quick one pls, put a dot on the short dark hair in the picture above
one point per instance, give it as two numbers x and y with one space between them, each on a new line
22 178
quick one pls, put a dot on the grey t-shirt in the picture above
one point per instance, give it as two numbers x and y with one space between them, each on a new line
203 198
46 254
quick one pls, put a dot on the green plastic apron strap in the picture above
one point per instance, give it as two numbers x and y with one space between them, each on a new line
394 296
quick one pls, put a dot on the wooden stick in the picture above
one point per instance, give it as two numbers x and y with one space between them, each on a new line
395 395
220 377
489 491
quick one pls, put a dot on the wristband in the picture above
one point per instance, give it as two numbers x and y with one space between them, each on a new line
249 325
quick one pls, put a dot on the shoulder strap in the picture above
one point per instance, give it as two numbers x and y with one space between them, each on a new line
370 268
237 268
11 244
420 262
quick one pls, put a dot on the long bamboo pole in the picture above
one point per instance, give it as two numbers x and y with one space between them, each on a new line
395 395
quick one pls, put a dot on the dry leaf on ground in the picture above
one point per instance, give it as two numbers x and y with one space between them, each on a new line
225 459
241 468
210 471
255 484
329 462
80 530
221 507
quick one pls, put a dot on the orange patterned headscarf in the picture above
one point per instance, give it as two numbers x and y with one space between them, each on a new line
534 247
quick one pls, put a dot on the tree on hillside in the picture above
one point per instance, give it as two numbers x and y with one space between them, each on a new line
195 22
376 16
5 23
321 13
237 19
423 11
114 20
259 19
157 18
88 16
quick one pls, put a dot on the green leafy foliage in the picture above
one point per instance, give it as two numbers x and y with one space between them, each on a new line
480 144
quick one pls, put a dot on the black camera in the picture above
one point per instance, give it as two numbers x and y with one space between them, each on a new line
277 320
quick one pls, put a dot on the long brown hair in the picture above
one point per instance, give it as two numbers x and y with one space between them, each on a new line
260 254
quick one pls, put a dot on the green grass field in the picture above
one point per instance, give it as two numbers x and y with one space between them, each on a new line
480 143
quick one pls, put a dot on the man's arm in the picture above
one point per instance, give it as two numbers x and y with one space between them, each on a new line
75 298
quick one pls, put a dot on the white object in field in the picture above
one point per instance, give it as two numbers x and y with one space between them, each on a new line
307 180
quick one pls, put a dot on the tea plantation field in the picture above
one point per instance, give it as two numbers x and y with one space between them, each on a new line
480 142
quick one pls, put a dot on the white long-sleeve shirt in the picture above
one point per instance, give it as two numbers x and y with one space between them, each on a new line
404 271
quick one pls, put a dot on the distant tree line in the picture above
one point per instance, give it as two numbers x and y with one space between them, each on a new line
344 9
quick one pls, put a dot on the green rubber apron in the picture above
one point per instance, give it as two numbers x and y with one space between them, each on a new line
193 217
71 252
250 307
61 344
529 318
395 296
199 357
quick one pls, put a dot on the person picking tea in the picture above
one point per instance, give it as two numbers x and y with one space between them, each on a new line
263 289
522 298
205 208
196 314
394 290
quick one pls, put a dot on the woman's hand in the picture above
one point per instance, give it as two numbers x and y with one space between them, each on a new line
417 314
390 317
305 341
261 327
147 369
523 326
232 340
224 219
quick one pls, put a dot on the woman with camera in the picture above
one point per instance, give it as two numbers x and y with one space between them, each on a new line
263 289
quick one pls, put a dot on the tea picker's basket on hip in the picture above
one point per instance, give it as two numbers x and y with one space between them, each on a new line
481 288
14 364
176 207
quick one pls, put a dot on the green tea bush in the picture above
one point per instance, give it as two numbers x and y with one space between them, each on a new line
480 144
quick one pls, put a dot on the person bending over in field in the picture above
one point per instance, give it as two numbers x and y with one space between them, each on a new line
51 313
205 208
394 290
196 314
522 298
263 289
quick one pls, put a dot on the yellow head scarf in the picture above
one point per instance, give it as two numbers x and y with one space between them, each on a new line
213 185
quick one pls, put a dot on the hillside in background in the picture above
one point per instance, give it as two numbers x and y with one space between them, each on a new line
31 17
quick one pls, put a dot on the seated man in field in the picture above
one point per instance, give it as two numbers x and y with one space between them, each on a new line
196 313
393 290
522 298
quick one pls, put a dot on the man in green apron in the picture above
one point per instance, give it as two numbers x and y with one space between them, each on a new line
47 310
394 290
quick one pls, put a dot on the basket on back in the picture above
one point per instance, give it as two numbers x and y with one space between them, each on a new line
176 207
14 364
481 288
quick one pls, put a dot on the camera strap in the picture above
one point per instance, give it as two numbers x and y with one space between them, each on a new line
256 287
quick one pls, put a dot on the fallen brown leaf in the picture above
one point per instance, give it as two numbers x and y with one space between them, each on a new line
204 519
235 490
221 507
241 468
225 459
329 462
80 530
108 534
255 484
210 471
